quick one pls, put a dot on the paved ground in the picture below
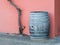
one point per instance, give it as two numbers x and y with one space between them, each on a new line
6 39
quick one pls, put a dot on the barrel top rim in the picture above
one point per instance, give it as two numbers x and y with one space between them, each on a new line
39 12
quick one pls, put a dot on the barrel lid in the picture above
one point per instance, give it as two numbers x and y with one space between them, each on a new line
39 12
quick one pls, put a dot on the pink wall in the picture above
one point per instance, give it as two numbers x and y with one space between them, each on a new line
9 15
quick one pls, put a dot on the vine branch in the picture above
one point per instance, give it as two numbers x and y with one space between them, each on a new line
19 14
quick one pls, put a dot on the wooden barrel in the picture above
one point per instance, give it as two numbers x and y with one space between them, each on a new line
39 24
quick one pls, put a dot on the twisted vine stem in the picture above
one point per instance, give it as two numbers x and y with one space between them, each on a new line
21 28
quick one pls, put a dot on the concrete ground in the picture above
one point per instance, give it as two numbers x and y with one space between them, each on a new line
10 39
